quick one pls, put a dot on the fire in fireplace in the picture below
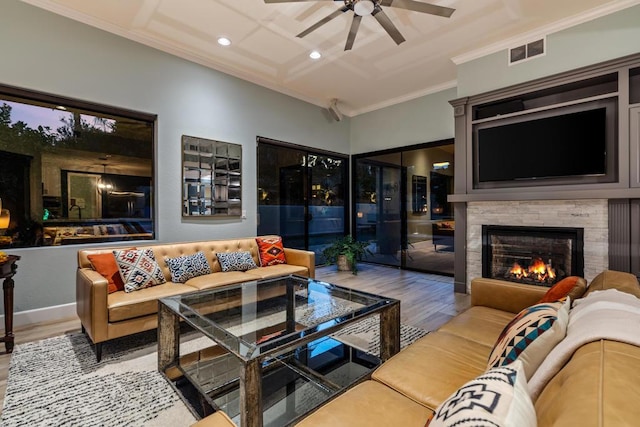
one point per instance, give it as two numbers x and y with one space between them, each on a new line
532 255
537 271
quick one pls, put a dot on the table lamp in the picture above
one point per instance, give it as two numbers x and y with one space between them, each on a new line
4 217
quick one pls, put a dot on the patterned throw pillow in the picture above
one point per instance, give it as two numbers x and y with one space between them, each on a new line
531 335
187 267
499 397
138 268
270 250
573 287
236 261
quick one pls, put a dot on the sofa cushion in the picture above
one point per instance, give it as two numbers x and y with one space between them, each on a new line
498 397
433 367
138 268
278 270
531 335
217 419
236 261
106 265
609 279
573 287
368 404
186 267
215 280
604 377
270 250
124 306
480 324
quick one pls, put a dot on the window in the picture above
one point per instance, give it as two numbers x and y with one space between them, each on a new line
72 172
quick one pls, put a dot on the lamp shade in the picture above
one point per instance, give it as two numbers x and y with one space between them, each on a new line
4 219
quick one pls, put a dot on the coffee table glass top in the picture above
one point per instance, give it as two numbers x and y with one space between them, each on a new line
259 318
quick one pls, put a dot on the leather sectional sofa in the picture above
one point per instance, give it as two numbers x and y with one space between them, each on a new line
105 316
597 386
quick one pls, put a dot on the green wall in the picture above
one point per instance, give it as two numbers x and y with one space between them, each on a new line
45 52
609 37
428 118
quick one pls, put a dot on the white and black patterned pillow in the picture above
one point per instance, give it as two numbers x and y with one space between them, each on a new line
138 268
236 261
497 398
187 267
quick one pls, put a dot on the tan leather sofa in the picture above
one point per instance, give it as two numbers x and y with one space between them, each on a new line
107 316
597 387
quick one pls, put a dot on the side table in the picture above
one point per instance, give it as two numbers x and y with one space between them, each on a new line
8 269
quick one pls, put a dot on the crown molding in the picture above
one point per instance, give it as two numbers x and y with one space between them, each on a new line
404 98
554 27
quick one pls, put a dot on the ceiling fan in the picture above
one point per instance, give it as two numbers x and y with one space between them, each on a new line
362 8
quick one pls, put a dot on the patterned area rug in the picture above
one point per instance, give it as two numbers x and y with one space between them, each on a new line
364 335
57 381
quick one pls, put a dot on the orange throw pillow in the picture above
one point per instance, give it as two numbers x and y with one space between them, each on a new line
106 265
572 286
270 250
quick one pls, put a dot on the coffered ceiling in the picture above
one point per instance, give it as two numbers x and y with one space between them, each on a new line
375 73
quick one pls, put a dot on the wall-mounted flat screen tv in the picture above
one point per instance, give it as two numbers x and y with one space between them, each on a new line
571 143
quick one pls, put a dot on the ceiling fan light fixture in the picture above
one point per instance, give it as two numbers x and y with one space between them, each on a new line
363 7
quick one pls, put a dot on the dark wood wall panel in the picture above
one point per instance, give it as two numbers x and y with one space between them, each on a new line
624 235
634 237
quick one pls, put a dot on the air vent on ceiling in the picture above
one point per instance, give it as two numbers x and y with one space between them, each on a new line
527 51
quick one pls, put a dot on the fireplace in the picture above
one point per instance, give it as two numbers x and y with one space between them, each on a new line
532 255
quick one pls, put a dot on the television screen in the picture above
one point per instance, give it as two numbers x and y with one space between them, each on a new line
573 144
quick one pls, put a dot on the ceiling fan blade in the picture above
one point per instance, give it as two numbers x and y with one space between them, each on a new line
323 21
417 6
355 24
386 23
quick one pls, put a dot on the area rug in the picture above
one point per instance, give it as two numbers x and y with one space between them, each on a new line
57 381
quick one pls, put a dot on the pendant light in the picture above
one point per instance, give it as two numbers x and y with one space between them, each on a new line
104 185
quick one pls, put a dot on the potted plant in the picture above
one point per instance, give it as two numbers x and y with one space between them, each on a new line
345 253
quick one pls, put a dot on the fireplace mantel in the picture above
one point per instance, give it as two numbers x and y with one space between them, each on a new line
550 194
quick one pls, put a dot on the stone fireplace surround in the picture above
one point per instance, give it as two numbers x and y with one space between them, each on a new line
590 214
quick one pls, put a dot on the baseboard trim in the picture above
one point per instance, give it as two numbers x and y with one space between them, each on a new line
40 315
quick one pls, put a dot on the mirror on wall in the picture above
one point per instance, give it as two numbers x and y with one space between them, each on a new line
211 177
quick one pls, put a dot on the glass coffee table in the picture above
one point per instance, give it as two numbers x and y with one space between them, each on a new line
272 357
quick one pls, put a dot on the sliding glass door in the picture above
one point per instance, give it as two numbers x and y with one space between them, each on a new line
301 195
401 207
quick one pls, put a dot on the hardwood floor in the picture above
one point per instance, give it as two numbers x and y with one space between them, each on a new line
427 301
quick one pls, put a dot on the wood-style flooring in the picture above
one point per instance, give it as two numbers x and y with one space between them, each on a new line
427 301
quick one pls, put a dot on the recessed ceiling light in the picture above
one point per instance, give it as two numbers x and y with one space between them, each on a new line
223 41
61 107
315 55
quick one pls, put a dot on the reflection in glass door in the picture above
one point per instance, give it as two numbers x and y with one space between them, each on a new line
430 225
401 207
379 209
301 195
